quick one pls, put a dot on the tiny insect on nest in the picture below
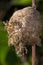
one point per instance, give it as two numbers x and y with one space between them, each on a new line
24 28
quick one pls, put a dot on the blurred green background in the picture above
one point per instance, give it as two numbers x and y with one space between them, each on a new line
7 54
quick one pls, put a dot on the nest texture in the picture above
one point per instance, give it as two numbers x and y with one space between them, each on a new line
24 28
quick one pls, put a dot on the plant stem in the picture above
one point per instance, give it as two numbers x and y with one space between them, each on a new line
34 4
33 55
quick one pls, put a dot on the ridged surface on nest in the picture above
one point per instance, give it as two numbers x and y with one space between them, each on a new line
24 28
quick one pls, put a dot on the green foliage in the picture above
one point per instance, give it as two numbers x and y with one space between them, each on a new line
11 57
3 43
22 2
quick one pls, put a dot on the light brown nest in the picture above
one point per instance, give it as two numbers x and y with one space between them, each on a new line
24 28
